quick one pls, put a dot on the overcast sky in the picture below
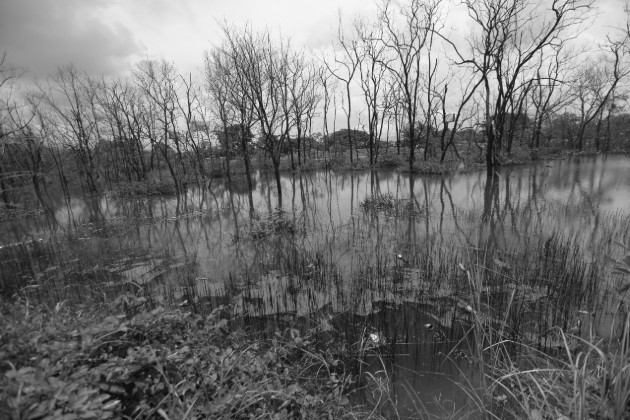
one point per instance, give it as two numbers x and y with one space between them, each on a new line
106 36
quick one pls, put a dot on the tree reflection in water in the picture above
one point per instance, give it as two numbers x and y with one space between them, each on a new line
337 269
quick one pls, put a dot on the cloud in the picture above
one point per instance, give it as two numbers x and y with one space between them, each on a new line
43 34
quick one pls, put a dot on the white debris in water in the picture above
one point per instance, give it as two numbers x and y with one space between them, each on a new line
376 338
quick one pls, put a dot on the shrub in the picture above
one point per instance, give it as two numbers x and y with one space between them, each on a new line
432 167
70 363
277 223
389 161
143 189
390 205
16 212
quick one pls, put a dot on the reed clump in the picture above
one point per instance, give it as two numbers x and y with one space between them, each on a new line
390 205
555 372
279 222
143 189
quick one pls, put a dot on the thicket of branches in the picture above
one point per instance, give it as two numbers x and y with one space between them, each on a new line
516 80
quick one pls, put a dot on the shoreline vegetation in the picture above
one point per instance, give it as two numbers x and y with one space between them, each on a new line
158 186
80 362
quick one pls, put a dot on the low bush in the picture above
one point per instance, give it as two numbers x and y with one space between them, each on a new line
433 167
70 363
143 189
277 223
390 161
390 205
17 212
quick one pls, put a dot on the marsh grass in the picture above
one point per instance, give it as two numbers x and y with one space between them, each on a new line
428 167
279 222
390 161
17 212
390 205
515 315
558 373
590 381
143 189
78 268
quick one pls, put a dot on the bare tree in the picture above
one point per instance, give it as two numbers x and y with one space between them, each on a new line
262 66
11 125
549 91
323 78
231 104
405 34
216 66
157 81
434 87
372 69
72 99
614 107
304 97
343 66
509 36
190 104
119 100
460 117
8 73
595 83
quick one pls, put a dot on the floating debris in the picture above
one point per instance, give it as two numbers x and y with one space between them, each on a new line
501 398
377 339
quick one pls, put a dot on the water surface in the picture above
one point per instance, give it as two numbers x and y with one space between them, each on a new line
344 272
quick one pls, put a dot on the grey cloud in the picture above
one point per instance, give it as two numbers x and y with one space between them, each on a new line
43 34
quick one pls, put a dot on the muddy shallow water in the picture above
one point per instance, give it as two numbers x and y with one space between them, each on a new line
328 265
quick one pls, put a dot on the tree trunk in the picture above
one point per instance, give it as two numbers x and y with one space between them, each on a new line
248 172
490 158
276 171
348 120
412 142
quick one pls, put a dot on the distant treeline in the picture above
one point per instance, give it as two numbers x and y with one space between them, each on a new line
516 83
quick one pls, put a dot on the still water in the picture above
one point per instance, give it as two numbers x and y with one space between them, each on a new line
318 260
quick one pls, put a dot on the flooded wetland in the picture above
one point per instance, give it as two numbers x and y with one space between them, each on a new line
434 283
414 209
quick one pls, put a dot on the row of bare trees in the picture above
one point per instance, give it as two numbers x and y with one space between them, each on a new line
515 70
261 83
111 129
